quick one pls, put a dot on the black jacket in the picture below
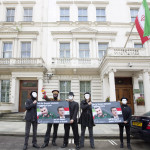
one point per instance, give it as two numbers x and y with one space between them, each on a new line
86 118
73 108
31 114
127 113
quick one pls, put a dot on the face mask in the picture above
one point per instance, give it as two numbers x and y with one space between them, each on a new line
124 101
70 97
87 96
34 94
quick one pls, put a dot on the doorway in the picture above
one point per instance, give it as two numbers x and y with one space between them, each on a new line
124 88
26 86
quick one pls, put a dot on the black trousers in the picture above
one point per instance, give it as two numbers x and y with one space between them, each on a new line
48 132
27 132
74 126
83 128
127 127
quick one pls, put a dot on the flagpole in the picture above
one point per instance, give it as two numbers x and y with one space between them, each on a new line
129 36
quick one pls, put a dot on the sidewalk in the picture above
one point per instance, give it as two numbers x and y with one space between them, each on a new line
18 129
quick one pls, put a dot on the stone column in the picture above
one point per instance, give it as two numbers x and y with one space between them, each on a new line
146 83
13 90
105 87
40 86
112 86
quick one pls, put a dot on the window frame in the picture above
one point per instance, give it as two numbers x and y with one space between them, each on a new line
133 17
10 8
101 16
64 50
104 51
83 16
7 42
62 16
84 50
28 16
25 51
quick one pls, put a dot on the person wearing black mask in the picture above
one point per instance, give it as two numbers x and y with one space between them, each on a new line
127 112
73 108
86 120
31 118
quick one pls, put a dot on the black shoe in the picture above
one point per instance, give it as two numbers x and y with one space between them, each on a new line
77 147
64 146
92 146
54 143
44 145
121 145
25 147
36 146
129 146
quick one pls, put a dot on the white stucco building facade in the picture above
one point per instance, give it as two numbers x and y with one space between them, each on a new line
72 45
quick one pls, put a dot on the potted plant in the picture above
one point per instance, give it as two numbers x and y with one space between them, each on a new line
140 101
107 99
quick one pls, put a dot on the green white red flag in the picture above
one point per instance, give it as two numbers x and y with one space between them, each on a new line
142 22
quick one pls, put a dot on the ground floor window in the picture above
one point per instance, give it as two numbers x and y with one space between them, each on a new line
65 88
141 87
85 86
5 90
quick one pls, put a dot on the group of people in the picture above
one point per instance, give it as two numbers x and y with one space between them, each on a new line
86 120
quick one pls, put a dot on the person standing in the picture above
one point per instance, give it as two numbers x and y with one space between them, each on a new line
73 108
86 120
31 118
126 112
49 125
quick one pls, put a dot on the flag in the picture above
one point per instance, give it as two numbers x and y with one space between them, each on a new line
66 110
119 111
142 22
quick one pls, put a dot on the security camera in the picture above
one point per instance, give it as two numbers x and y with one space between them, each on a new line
50 74
129 64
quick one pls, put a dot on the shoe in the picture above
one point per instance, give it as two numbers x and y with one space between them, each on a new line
25 147
121 145
54 143
36 146
129 146
44 145
93 147
64 146
77 147
81 146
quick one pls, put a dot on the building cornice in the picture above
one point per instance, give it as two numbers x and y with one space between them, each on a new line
28 2
10 2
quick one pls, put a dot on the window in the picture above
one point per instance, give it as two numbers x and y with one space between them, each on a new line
5 88
25 49
82 14
138 46
84 50
85 86
141 87
102 47
65 88
64 14
64 50
10 14
7 50
28 14
134 13
100 15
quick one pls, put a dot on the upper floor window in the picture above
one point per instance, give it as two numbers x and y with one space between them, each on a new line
64 14
28 14
85 86
7 50
10 15
64 50
82 14
5 90
100 14
134 13
25 49
84 50
138 46
65 88
102 47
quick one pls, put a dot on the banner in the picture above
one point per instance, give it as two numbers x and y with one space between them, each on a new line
53 112
107 112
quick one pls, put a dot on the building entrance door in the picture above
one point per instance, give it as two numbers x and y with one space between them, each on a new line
26 86
124 88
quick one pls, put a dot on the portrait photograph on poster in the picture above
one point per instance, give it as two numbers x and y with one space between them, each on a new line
53 112
107 112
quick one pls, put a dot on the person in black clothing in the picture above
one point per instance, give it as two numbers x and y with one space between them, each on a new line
127 112
86 120
73 108
31 118
49 125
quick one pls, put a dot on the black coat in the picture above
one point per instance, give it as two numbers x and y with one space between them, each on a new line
86 118
31 114
73 108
